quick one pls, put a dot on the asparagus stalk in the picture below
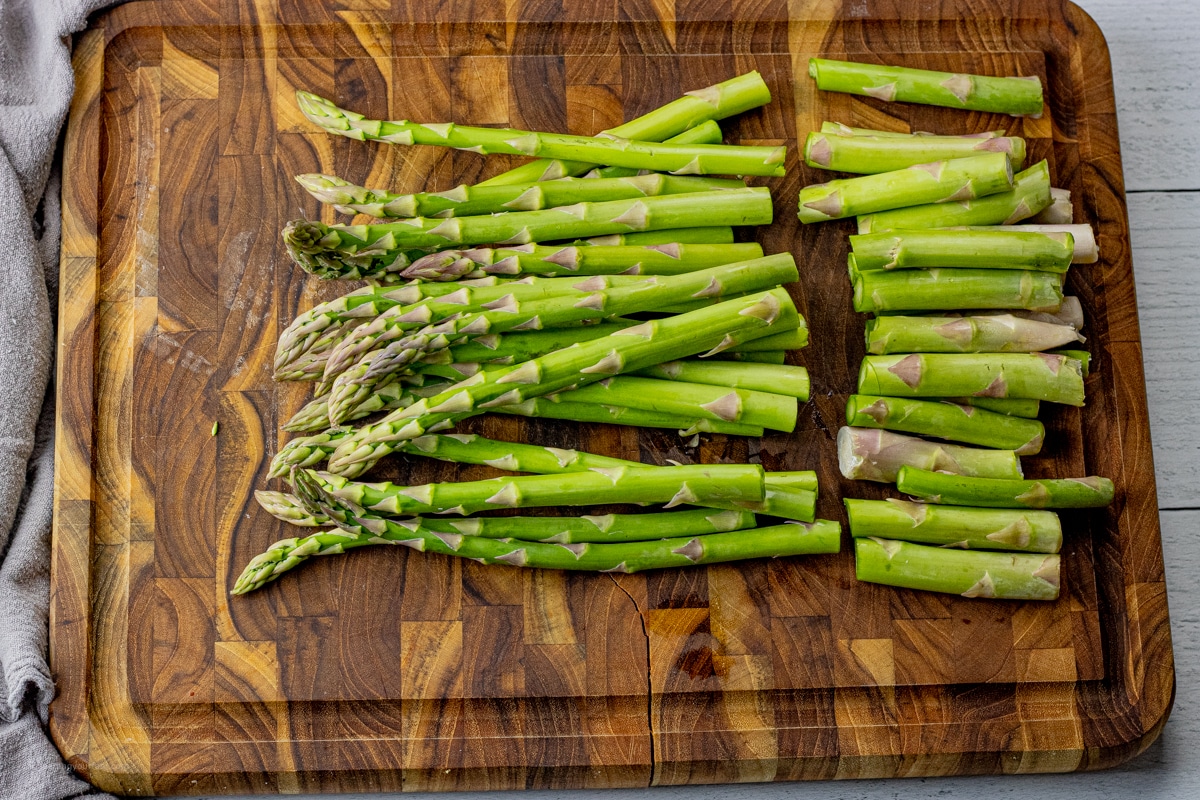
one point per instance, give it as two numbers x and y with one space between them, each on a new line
965 528
946 421
877 455
677 397
379 251
956 180
592 302
1012 406
1059 212
1002 333
787 539
1003 249
694 484
870 155
1086 251
1035 376
942 289
846 130
607 528
391 395
1030 193
957 490
718 327
771 378
688 120
590 412
661 259
718 234
970 573
1017 96
465 200
694 159
790 495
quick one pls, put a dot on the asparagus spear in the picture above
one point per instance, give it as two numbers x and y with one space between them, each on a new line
464 200
957 490
528 259
1003 249
846 130
946 421
677 397
942 289
772 378
1086 251
607 528
970 573
1059 212
1030 193
715 328
779 540
378 251
647 294
1035 376
957 180
876 455
791 495
719 234
1069 313
391 395
678 119
695 484
591 412
984 334
694 159
965 528
873 154
1017 96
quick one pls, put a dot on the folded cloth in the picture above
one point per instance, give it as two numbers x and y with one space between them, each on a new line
35 91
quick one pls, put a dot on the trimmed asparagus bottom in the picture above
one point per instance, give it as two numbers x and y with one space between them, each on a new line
970 573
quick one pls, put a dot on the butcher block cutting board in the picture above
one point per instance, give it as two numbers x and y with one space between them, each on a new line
390 670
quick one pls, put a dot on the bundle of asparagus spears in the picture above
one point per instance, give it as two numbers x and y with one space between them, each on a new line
599 283
972 332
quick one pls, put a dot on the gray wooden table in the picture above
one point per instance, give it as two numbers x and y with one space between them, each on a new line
1155 48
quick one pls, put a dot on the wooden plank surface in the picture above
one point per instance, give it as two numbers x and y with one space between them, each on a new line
206 708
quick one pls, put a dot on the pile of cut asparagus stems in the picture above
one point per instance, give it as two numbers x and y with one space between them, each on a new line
598 283
968 338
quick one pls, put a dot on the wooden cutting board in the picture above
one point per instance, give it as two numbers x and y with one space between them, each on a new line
389 670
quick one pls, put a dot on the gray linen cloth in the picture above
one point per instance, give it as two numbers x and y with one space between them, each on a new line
35 92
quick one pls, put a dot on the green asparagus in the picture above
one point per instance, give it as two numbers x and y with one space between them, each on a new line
876 455
946 421
954 181
970 573
1016 96
957 490
947 526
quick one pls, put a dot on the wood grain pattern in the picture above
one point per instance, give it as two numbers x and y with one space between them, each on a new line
385 671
